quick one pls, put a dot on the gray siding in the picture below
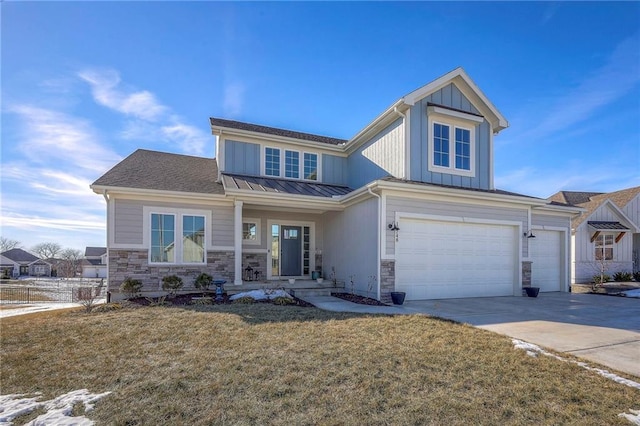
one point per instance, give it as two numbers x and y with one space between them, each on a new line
334 169
350 245
449 96
555 221
127 222
242 158
441 208
129 217
383 155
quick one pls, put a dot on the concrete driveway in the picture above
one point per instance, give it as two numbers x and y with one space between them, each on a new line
603 329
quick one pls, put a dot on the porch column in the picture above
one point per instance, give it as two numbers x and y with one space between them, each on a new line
237 241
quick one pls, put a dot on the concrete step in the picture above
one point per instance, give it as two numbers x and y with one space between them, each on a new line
303 292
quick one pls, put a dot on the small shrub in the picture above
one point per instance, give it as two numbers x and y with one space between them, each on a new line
281 300
160 301
203 281
131 287
171 284
88 296
636 276
600 280
622 276
246 300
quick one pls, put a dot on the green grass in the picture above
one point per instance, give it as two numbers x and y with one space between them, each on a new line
283 365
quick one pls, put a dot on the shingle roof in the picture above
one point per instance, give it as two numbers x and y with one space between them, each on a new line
619 198
19 255
572 197
163 171
92 262
221 122
283 186
94 251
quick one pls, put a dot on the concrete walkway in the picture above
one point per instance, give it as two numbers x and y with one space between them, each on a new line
603 329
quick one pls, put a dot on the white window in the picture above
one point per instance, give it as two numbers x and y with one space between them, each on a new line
251 231
604 247
451 141
291 164
310 166
271 161
177 236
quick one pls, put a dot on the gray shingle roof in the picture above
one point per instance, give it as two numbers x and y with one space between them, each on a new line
19 255
596 199
165 172
221 122
94 251
573 197
283 186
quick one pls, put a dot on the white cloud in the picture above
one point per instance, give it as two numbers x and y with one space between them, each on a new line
148 118
233 99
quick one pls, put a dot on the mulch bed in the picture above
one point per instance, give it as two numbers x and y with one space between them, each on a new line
195 298
361 300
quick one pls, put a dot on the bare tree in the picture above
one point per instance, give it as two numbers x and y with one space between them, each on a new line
47 250
8 244
71 259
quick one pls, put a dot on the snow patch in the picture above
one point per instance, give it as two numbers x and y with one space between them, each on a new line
633 417
534 350
58 409
261 294
632 293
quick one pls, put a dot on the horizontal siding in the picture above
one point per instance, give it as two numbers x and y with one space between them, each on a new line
449 96
383 155
546 220
222 226
441 208
350 245
128 222
334 170
241 157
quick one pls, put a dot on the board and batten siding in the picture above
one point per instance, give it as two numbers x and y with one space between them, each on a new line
351 245
334 170
632 210
586 265
129 219
383 155
241 157
442 208
449 96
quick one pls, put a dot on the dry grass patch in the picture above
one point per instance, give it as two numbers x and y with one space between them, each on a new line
267 364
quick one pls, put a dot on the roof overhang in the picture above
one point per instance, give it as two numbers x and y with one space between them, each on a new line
607 226
106 190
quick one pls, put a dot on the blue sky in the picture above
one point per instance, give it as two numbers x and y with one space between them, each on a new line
84 84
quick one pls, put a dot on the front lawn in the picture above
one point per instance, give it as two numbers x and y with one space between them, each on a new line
267 364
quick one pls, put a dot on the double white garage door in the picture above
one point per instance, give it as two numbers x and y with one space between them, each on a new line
439 259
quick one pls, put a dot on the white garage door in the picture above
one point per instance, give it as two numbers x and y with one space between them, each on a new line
545 251
439 260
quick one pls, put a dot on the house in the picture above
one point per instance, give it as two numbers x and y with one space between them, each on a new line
94 264
17 262
606 235
407 204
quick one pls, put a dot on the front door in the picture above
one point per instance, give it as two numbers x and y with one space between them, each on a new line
291 250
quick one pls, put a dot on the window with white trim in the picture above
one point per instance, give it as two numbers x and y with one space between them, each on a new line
177 237
310 166
250 231
604 247
271 161
292 164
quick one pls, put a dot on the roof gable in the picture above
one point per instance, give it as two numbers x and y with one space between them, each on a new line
596 207
616 200
94 251
19 255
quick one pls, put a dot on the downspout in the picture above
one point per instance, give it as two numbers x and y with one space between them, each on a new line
106 197
380 226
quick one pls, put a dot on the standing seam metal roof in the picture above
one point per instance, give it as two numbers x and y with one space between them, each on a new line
283 186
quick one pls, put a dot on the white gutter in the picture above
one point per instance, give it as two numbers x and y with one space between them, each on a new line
380 227
150 192
106 197
217 130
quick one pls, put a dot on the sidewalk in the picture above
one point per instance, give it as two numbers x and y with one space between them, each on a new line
13 310
335 304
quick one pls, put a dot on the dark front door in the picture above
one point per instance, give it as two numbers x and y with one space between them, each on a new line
291 250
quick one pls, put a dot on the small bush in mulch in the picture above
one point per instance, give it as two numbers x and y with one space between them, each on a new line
197 299
361 300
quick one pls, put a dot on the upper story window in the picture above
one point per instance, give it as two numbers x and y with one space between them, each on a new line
604 247
451 141
291 164
272 161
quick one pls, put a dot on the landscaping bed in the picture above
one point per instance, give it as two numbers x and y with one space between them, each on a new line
361 300
608 288
205 298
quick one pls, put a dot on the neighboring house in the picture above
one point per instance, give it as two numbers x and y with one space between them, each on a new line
17 262
606 234
407 204
94 264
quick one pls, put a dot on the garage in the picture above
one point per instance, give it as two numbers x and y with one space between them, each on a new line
442 259
545 251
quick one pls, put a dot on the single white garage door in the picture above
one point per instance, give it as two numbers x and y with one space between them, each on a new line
439 260
545 251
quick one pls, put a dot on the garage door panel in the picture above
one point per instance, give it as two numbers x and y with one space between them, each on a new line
454 259
545 252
